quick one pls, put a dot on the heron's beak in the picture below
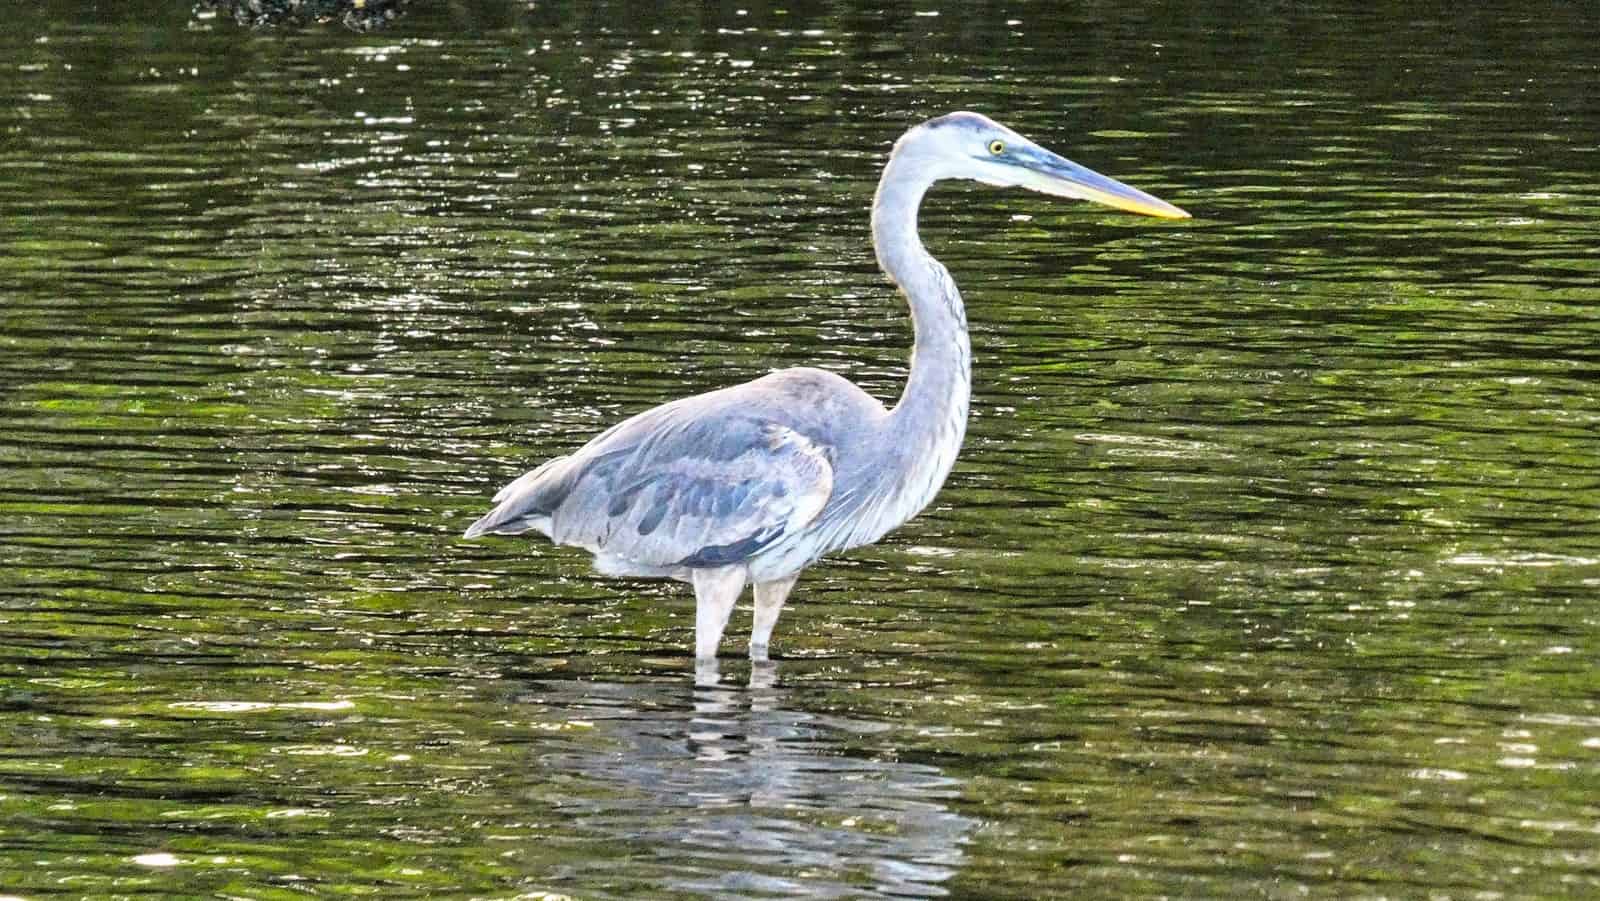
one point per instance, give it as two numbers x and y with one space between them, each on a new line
1048 173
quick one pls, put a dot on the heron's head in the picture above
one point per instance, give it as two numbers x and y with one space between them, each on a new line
968 145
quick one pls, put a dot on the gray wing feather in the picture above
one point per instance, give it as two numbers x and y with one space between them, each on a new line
693 483
697 492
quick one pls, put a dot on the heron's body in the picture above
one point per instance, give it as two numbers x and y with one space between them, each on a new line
750 484
742 476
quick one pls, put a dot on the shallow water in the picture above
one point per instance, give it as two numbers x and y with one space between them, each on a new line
1270 567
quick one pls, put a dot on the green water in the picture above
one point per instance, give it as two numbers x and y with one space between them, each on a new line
1271 567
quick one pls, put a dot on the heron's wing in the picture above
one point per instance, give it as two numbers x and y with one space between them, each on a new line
683 490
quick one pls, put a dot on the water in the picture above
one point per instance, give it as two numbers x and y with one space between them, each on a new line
1270 566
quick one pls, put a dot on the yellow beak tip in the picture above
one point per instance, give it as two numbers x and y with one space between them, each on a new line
1164 211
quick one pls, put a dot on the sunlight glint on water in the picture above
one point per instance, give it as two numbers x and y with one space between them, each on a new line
1269 567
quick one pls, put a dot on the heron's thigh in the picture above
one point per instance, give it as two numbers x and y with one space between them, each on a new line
715 592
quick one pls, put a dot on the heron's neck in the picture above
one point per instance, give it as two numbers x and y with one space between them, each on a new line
931 415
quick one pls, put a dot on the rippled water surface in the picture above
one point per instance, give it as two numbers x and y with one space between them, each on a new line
1271 566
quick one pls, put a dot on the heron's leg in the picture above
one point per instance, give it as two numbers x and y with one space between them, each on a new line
715 592
769 603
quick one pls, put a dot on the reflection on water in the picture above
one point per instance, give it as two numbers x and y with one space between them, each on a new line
1269 567
737 794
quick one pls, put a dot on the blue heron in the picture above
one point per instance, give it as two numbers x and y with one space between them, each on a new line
753 483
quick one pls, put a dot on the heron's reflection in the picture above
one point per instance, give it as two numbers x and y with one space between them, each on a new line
734 791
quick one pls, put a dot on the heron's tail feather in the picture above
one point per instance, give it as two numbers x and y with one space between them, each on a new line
493 524
526 503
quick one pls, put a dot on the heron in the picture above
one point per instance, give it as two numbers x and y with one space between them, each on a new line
752 483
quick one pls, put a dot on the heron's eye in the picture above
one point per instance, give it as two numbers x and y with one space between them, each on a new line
997 147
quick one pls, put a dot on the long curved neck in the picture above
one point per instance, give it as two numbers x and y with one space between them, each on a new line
930 419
